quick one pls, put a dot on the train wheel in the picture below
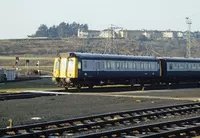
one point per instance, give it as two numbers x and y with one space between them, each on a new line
142 86
90 86
78 87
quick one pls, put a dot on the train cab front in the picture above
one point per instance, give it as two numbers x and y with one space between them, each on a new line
56 70
72 72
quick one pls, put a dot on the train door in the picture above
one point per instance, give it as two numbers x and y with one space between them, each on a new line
97 68
63 68
163 67
72 68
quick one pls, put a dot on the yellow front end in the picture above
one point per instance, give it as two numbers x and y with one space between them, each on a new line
72 69
56 69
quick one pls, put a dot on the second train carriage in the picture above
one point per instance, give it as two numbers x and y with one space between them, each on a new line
86 69
177 69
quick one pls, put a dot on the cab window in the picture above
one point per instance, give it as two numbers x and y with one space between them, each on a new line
70 64
79 65
57 64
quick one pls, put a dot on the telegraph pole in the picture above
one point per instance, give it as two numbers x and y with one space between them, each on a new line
109 46
188 51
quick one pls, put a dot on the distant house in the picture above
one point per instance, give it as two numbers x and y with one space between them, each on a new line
172 34
108 33
180 34
147 34
130 34
135 34
168 34
88 34
155 34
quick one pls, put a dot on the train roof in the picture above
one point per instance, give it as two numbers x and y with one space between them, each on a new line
110 56
179 59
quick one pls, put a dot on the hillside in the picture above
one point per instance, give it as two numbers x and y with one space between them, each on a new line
50 48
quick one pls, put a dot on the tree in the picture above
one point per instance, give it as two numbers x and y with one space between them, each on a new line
42 31
62 30
52 32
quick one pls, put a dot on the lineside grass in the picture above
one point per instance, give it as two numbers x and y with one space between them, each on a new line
41 84
25 58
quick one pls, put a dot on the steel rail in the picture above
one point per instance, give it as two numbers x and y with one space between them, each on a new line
21 95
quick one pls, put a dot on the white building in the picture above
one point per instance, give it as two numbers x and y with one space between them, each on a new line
88 34
168 34
108 33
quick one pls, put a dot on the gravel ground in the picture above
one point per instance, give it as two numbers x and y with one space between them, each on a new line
69 106
180 93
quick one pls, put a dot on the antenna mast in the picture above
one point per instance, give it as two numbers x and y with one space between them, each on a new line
109 46
189 22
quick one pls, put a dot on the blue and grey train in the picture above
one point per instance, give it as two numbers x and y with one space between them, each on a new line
87 69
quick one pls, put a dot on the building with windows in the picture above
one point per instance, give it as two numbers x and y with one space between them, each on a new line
88 34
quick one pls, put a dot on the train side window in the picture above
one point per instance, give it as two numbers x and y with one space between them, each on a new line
98 65
112 65
137 66
170 66
105 65
150 66
109 65
182 66
79 65
85 64
129 65
102 65
133 65
175 65
145 66
122 65
118 65
141 65
125 65
194 66
186 66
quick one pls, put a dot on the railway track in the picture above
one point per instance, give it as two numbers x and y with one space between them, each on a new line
12 96
189 127
133 88
101 122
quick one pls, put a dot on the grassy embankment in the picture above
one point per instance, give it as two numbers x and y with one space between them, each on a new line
42 84
46 66
46 63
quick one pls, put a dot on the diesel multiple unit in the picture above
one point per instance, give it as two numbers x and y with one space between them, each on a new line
88 69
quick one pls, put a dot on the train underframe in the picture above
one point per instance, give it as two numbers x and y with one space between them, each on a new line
90 82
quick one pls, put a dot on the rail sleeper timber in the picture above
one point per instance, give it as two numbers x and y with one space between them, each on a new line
164 129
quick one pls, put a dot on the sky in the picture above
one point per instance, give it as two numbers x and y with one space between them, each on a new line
19 18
